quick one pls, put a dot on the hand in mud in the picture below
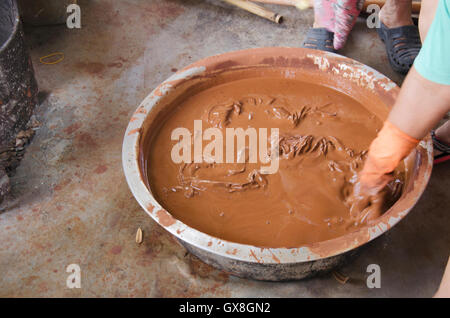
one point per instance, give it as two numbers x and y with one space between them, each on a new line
366 203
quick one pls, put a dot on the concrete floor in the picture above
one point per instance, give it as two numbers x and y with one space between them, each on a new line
71 203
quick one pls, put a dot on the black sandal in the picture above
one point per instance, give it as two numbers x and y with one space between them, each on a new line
319 39
402 45
442 147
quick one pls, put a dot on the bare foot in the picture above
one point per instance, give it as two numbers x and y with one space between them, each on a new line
396 13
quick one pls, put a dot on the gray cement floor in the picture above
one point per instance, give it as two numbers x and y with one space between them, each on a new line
71 203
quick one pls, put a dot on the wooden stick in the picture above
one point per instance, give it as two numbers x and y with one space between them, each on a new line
256 9
310 3
303 4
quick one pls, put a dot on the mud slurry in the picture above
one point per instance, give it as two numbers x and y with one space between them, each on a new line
323 140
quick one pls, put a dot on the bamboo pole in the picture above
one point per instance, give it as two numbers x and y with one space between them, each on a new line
286 2
256 9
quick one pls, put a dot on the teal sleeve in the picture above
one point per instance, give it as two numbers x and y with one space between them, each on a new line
433 61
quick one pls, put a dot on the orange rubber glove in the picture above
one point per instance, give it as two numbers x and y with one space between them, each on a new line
385 153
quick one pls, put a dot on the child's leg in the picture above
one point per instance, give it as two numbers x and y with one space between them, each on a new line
443 133
324 15
444 289
441 143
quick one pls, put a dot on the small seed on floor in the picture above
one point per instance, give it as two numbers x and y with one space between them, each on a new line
139 236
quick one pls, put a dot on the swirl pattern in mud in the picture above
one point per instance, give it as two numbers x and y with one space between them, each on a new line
323 140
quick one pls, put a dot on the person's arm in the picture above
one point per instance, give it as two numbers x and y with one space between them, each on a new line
423 100
419 107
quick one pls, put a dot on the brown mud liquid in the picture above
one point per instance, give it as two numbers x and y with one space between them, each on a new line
323 140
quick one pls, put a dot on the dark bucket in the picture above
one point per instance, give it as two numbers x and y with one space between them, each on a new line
18 90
